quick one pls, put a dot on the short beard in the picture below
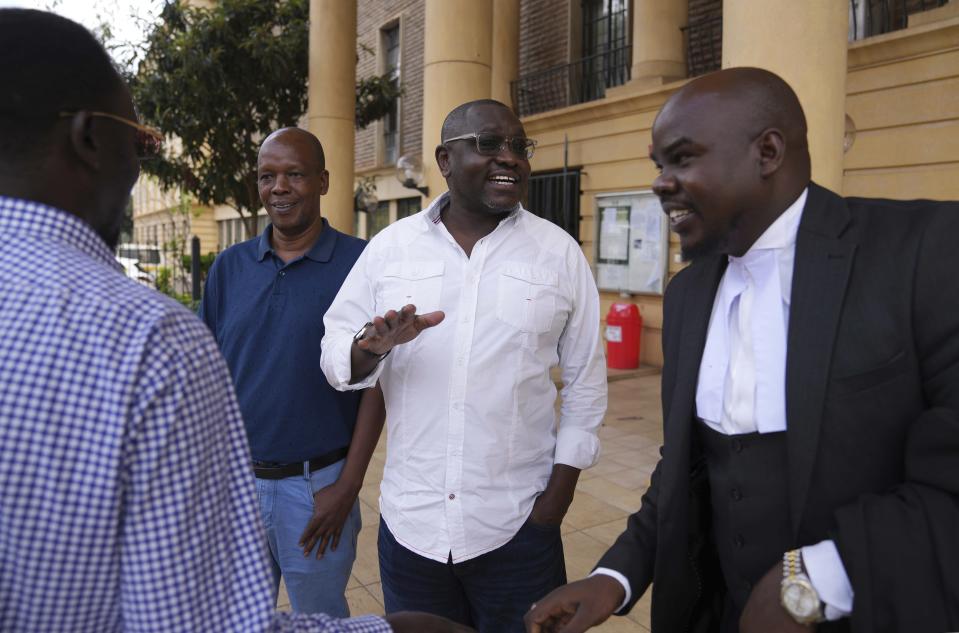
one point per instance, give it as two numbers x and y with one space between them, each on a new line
709 246
500 210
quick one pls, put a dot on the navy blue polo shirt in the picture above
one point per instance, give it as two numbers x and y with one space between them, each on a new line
267 318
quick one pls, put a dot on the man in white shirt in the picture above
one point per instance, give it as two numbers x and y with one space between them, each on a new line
479 472
810 393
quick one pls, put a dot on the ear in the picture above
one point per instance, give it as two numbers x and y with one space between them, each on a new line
83 141
443 160
772 151
324 182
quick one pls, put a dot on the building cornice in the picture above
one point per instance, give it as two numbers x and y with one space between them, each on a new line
917 41
621 101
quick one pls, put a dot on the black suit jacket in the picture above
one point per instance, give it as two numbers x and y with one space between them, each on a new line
872 407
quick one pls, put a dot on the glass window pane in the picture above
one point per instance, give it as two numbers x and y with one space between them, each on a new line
391 66
378 219
407 207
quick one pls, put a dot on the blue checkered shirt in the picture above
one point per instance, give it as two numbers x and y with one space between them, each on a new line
127 502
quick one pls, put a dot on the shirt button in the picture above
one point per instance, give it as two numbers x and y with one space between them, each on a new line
738 541
737 446
736 494
452 496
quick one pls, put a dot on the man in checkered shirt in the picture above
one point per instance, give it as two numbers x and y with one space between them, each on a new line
126 497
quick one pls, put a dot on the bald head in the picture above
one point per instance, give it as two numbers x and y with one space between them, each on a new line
299 136
731 148
749 100
457 121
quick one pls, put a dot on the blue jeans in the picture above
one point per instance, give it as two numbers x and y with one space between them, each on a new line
491 592
286 505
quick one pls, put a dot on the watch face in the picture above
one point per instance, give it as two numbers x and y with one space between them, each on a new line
800 600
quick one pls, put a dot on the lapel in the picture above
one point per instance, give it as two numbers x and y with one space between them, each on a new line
696 310
823 262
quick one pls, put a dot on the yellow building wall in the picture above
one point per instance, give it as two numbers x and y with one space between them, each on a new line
610 140
203 225
902 94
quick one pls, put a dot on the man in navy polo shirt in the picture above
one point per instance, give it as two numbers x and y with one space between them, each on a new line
264 301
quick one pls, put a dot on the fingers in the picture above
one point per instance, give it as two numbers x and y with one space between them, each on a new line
336 538
579 622
310 535
327 537
429 320
397 327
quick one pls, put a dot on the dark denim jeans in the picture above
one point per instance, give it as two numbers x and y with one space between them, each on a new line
491 592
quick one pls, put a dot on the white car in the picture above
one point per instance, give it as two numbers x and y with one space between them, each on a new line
132 269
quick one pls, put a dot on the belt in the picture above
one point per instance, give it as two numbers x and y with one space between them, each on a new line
263 470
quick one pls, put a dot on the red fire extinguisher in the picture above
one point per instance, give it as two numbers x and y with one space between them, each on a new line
623 327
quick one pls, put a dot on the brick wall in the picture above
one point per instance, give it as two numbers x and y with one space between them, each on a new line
371 16
704 36
543 34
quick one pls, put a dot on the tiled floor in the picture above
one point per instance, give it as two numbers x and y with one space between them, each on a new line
605 496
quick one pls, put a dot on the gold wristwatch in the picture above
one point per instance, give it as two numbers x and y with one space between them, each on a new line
796 594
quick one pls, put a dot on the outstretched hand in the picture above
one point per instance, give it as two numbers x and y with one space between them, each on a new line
395 328
575 607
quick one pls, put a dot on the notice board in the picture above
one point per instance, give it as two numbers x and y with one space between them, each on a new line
632 243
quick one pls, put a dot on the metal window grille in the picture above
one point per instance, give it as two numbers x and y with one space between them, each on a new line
704 45
554 196
606 62
875 17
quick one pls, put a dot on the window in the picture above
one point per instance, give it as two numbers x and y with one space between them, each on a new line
555 196
233 231
406 207
606 53
390 45
379 219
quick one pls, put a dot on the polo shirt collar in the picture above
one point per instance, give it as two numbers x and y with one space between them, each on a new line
321 251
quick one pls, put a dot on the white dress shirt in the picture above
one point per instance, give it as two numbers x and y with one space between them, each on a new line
472 428
742 375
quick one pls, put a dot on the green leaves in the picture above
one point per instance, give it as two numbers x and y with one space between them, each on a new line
218 80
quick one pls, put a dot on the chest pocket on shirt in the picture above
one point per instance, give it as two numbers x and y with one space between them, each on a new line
419 283
527 297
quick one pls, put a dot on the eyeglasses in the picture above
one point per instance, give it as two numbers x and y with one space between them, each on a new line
149 141
489 144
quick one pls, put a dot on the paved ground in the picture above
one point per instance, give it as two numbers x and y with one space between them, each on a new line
606 494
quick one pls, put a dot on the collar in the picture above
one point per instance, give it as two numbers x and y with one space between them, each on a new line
43 222
781 233
432 217
321 251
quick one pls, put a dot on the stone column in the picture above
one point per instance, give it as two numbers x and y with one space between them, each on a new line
456 68
332 99
805 43
505 53
659 53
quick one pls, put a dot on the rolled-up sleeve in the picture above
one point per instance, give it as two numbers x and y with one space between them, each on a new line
583 369
353 306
